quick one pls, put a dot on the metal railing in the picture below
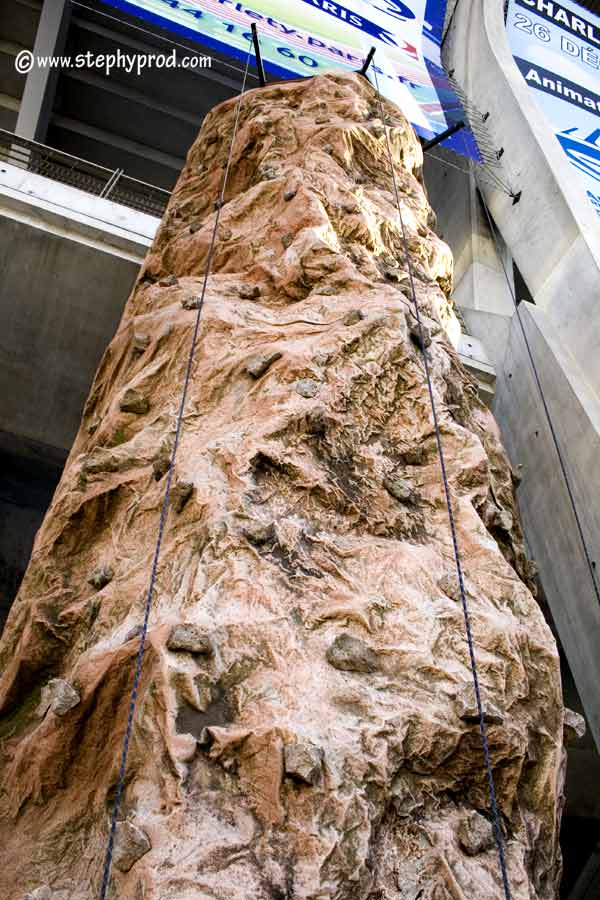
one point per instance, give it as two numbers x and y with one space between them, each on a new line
111 184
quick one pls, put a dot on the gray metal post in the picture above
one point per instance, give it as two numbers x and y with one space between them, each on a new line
40 87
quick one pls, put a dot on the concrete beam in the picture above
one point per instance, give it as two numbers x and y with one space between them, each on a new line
113 140
40 87
112 86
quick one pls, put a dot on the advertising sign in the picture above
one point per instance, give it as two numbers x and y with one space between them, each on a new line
556 45
310 37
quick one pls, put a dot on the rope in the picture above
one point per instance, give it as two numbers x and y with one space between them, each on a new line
563 468
164 511
467 618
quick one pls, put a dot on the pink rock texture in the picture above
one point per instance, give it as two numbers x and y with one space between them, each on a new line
304 727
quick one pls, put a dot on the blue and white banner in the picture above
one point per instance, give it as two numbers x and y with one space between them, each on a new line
309 37
556 46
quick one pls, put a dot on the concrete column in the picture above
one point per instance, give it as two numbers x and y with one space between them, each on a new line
40 87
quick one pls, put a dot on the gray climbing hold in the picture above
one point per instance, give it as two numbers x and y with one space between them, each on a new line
180 495
449 585
475 834
400 489
101 576
353 317
468 711
419 333
303 761
249 291
140 342
188 638
308 387
289 195
168 281
259 364
258 532
131 843
352 655
41 893
59 697
133 401
195 226
160 466
574 726
287 240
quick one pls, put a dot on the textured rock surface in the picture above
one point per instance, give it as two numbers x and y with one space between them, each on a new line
262 770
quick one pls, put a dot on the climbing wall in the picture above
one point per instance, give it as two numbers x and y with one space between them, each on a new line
306 725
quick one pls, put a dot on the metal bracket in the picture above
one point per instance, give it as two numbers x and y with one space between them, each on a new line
367 63
442 137
259 63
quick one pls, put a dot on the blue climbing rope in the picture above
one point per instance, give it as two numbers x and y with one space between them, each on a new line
459 571
165 508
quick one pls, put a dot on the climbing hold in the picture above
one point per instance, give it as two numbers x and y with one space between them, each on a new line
419 333
101 576
249 291
259 364
352 655
574 726
449 585
258 532
131 843
287 240
401 489
140 342
353 317
133 401
188 638
180 495
303 761
59 697
468 711
40 893
168 281
308 387
475 834
160 466
289 195
195 226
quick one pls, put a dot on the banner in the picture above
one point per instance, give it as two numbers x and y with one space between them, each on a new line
556 46
310 37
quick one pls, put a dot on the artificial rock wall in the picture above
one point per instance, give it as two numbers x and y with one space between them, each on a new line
305 724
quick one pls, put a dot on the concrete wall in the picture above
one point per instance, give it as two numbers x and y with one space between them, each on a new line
547 513
553 233
554 239
68 261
